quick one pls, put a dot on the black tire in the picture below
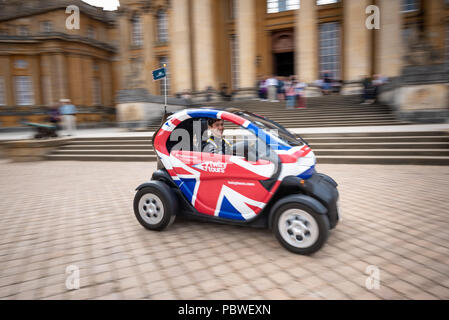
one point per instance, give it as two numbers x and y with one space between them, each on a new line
322 226
161 213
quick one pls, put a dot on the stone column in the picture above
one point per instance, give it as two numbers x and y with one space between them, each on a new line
357 40
124 27
5 72
87 80
47 80
203 28
307 42
75 77
148 57
389 46
106 83
60 76
246 39
181 67
435 23
36 80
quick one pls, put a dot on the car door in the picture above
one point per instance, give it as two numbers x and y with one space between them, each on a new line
226 186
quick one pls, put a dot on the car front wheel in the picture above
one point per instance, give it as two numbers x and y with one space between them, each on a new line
300 229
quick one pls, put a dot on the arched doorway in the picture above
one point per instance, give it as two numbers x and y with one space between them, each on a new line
283 48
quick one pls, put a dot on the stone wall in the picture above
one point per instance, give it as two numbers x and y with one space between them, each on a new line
30 150
420 94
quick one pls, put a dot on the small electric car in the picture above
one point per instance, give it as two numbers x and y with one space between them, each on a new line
268 181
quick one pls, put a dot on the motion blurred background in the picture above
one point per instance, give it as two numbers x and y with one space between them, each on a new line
374 108
215 49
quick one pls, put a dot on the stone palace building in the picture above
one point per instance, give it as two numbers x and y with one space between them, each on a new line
205 43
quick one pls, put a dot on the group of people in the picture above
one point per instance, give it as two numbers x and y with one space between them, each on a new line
289 89
275 89
328 85
65 112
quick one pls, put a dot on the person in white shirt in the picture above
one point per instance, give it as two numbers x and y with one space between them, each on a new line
271 84
300 89
68 112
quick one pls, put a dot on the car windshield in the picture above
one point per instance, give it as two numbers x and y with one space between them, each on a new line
274 128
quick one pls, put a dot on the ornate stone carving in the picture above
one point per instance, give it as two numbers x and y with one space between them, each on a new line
420 52
134 74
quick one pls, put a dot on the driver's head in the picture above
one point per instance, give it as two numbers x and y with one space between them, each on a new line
216 126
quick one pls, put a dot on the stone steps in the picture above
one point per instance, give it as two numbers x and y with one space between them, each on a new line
327 111
341 123
386 160
375 134
382 152
113 157
148 152
396 139
331 111
147 146
337 116
426 148
381 145
111 142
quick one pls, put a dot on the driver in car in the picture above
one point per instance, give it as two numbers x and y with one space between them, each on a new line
216 143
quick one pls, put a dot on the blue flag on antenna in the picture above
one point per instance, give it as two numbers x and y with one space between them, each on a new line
159 74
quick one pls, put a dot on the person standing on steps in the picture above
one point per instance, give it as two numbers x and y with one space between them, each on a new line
272 84
300 90
68 112
290 93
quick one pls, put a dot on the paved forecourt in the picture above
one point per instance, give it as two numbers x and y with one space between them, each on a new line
79 214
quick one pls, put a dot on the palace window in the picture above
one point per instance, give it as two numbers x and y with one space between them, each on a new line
24 90
235 65
162 26
274 6
2 92
95 66
330 49
323 2
233 6
447 42
137 35
23 31
91 34
407 34
409 5
162 61
96 91
20 64
46 26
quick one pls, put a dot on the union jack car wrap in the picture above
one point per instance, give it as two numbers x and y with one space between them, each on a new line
228 186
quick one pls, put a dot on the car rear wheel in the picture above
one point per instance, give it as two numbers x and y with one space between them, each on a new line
154 207
300 229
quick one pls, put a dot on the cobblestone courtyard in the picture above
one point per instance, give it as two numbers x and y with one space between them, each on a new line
56 214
